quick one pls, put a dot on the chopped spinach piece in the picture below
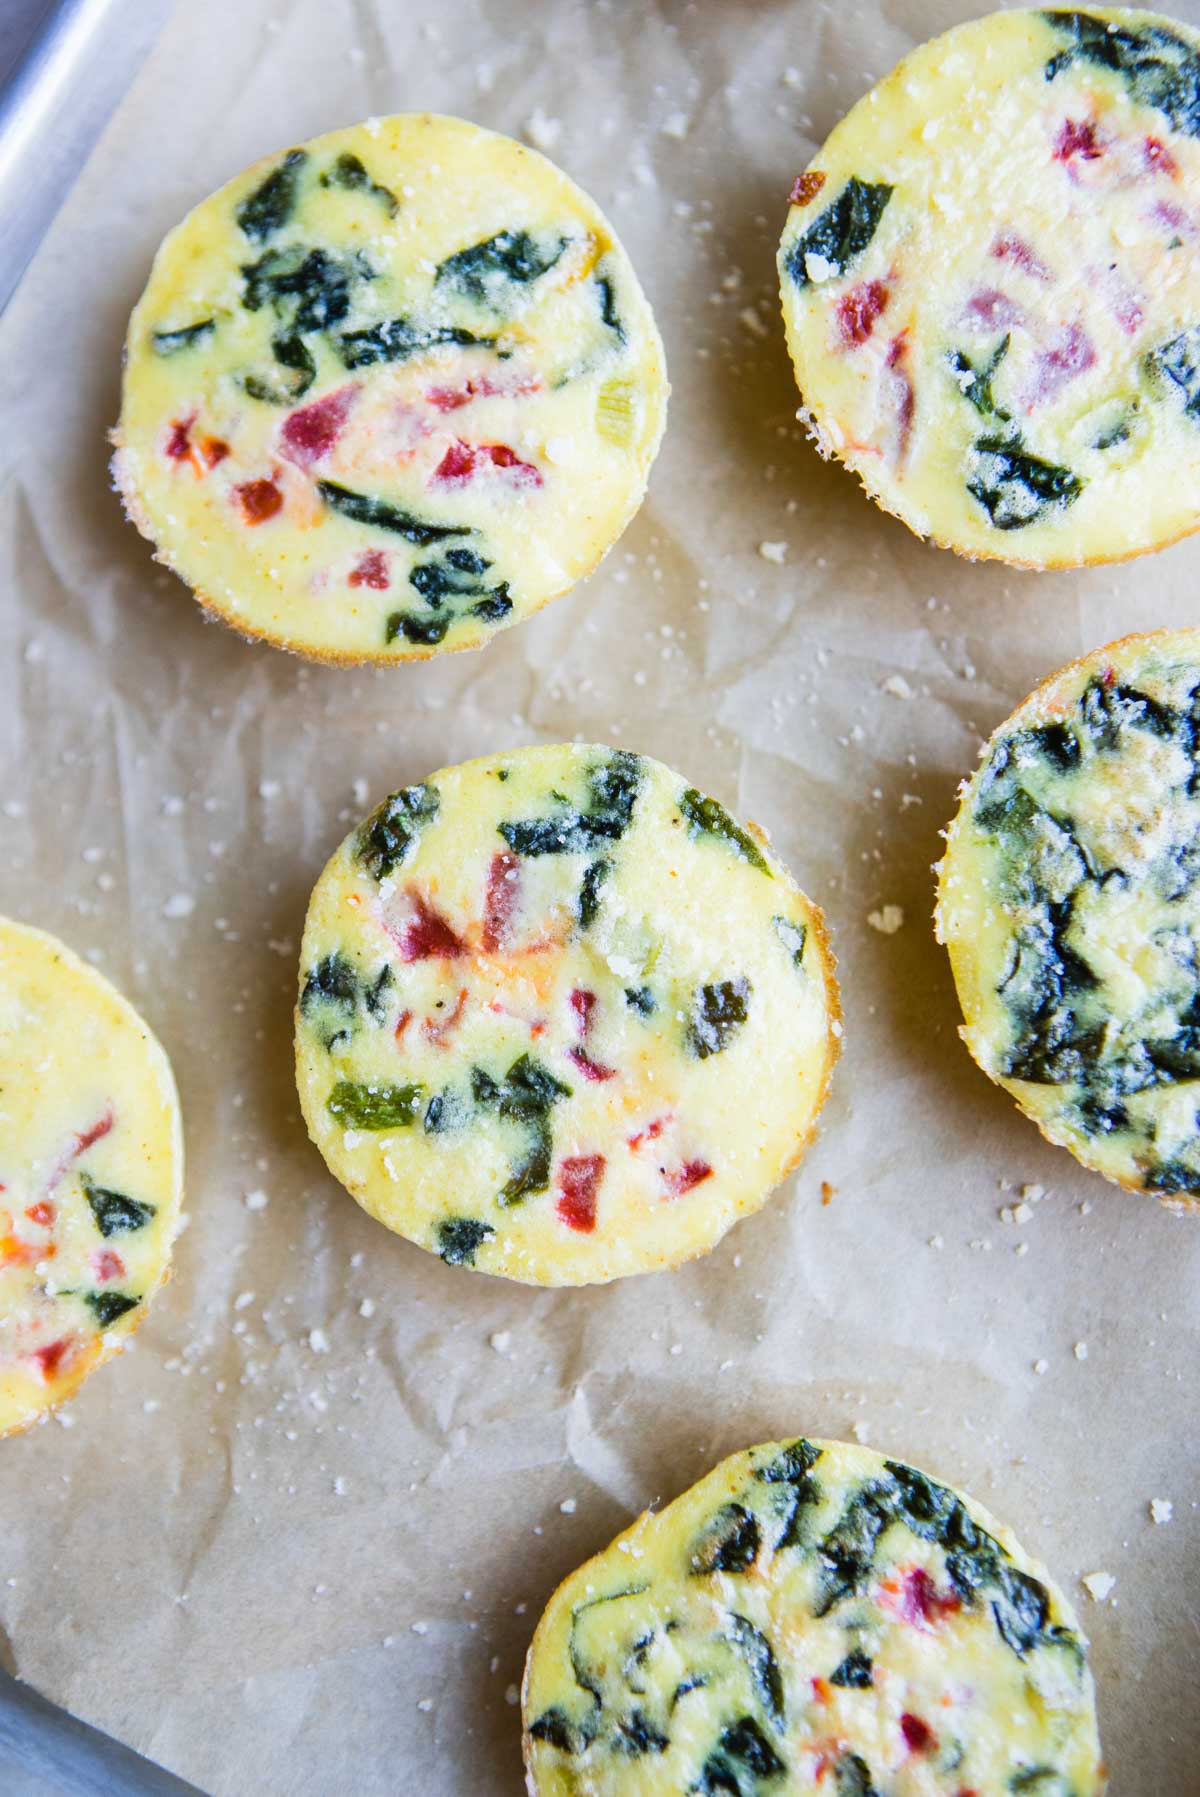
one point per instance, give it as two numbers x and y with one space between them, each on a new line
1179 363
594 876
853 1777
740 1761
855 1671
1161 69
456 573
524 1096
373 994
729 1541
640 999
114 1212
612 792
389 835
794 937
841 233
169 343
1171 1177
847 1554
311 288
695 1681
333 982
106 1307
364 508
759 1656
1043 1779
495 606
300 371
1016 488
1108 708
270 206
396 339
348 171
705 817
511 258
795 1488
636 1734
553 1725
458 1240
718 1012
378 1105
609 315
417 629
975 384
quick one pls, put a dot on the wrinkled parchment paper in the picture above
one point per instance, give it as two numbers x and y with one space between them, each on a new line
295 1542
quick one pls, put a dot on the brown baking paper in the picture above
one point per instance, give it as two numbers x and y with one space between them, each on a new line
295 1542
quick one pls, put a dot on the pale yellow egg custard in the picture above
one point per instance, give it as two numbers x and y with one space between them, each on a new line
389 392
91 1170
811 1617
1069 900
561 1017
991 287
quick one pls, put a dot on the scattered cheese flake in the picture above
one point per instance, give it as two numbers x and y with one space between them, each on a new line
367 1308
1041 1366
887 920
568 1506
1161 1509
676 125
257 1199
318 1341
542 131
500 1340
1081 1350
897 687
773 552
180 904
1098 1585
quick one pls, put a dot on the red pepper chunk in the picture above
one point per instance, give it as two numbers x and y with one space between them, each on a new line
42 1214
858 310
590 1069
462 461
500 899
259 500
106 1265
49 1357
179 443
582 1003
310 433
1159 157
578 1182
214 450
428 936
371 570
1077 137
679 1180
918 1736
920 1599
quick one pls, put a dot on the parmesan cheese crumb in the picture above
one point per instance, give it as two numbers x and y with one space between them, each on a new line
887 920
773 552
1081 1350
819 268
1161 1509
542 131
568 1506
861 1431
1098 1585
501 1340
180 904
676 125
318 1341
1041 1366
896 687
367 1308
257 1200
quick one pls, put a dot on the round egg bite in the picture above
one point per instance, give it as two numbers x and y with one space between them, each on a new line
91 1172
811 1617
389 392
991 289
1069 899
561 1017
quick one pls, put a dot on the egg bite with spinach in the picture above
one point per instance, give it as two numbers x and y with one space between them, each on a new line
811 1617
561 1017
91 1171
1069 899
389 392
991 289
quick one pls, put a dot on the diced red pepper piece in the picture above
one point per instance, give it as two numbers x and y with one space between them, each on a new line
1158 157
918 1735
1077 137
859 308
679 1180
309 433
578 1183
259 500
179 443
371 570
106 1265
462 461
402 1023
50 1357
436 1029
43 1214
427 935
651 1132
582 1003
89 1137
214 450
500 900
920 1600
590 1069
1008 247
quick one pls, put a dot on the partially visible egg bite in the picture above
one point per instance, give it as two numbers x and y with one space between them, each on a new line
1069 900
390 392
91 1172
991 287
811 1617
561 1017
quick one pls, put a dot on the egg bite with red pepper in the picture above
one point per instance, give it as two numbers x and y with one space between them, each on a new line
390 392
561 1017
811 1617
91 1172
991 288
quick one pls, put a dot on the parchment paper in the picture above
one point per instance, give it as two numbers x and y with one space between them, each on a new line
298 1572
